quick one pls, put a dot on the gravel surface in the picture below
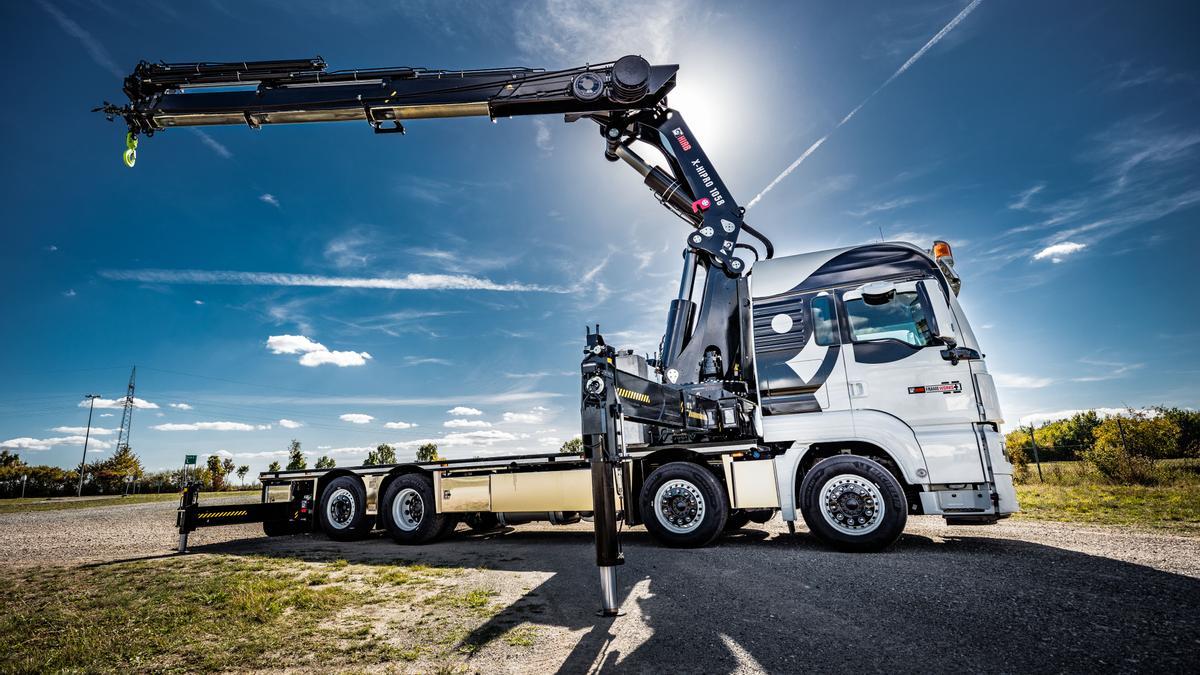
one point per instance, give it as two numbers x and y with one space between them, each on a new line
1021 596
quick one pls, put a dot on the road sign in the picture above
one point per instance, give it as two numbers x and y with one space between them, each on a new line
189 460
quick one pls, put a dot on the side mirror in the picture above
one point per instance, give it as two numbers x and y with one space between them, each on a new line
878 292
943 319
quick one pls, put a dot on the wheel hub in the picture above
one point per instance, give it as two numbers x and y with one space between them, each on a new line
681 506
340 509
408 510
852 504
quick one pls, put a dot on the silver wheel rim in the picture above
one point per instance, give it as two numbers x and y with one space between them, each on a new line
408 510
852 504
340 509
679 506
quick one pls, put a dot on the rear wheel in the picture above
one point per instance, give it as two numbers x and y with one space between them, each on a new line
683 505
409 511
343 509
853 503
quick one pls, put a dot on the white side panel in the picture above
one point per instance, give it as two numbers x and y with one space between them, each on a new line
951 454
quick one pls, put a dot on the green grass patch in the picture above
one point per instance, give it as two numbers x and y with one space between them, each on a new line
19 504
225 612
521 636
1076 492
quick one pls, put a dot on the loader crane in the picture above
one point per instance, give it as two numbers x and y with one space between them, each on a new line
844 387
705 388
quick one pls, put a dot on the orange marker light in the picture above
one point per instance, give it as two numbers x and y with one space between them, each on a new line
941 250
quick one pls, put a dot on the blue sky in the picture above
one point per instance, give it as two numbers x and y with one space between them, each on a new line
1055 145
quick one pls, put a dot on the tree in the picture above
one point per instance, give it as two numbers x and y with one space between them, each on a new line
110 473
296 459
274 466
572 447
1188 422
325 462
427 452
384 454
241 474
9 459
1126 447
227 467
214 472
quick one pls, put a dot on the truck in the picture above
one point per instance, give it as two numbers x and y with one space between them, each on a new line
844 387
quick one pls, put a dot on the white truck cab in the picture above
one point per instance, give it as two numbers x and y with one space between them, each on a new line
865 351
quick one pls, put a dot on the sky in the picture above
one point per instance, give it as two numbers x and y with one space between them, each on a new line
1054 145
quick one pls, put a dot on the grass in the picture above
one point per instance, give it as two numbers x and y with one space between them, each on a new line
224 612
19 504
1074 492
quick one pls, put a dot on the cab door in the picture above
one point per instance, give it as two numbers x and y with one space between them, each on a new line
797 353
895 366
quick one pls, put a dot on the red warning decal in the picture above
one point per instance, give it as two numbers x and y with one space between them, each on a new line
954 387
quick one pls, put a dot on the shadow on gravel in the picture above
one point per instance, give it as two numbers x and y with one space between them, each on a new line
786 603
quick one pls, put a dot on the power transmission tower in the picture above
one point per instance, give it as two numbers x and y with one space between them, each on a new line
127 414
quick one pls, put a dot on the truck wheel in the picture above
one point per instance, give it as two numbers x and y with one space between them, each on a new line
853 504
343 510
410 513
737 520
684 505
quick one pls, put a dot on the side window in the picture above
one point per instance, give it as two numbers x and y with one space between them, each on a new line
902 318
824 321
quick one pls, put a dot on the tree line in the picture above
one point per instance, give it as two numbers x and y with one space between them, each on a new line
1123 448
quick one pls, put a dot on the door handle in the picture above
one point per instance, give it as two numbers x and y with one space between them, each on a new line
858 390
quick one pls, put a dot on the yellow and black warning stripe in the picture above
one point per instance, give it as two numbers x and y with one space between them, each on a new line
633 395
696 415
223 514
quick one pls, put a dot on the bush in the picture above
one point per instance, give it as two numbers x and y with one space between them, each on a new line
1126 448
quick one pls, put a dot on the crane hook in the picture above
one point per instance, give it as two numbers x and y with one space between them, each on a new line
130 155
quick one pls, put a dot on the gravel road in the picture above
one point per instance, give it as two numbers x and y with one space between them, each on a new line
1021 596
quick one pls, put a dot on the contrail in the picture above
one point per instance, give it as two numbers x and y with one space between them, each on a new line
408 282
899 71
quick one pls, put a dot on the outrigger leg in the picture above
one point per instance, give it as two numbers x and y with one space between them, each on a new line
601 446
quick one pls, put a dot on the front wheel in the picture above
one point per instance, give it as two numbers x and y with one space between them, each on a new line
683 505
853 503
409 511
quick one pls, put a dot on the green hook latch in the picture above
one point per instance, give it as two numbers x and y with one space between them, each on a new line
130 155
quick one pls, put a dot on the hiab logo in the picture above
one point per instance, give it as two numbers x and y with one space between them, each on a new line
683 141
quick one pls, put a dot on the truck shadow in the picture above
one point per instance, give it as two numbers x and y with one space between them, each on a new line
785 603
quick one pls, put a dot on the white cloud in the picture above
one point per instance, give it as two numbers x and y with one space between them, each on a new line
314 353
105 415
257 455
399 425
1025 197
220 453
69 293
96 431
483 437
1044 417
120 403
290 424
542 137
463 411
1010 381
212 143
198 302
180 406
211 426
408 282
91 45
268 198
465 424
356 418
1056 252
26 443
522 418
552 441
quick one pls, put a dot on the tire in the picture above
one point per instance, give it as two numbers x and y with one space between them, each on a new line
482 522
690 493
343 510
853 504
408 511
737 520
